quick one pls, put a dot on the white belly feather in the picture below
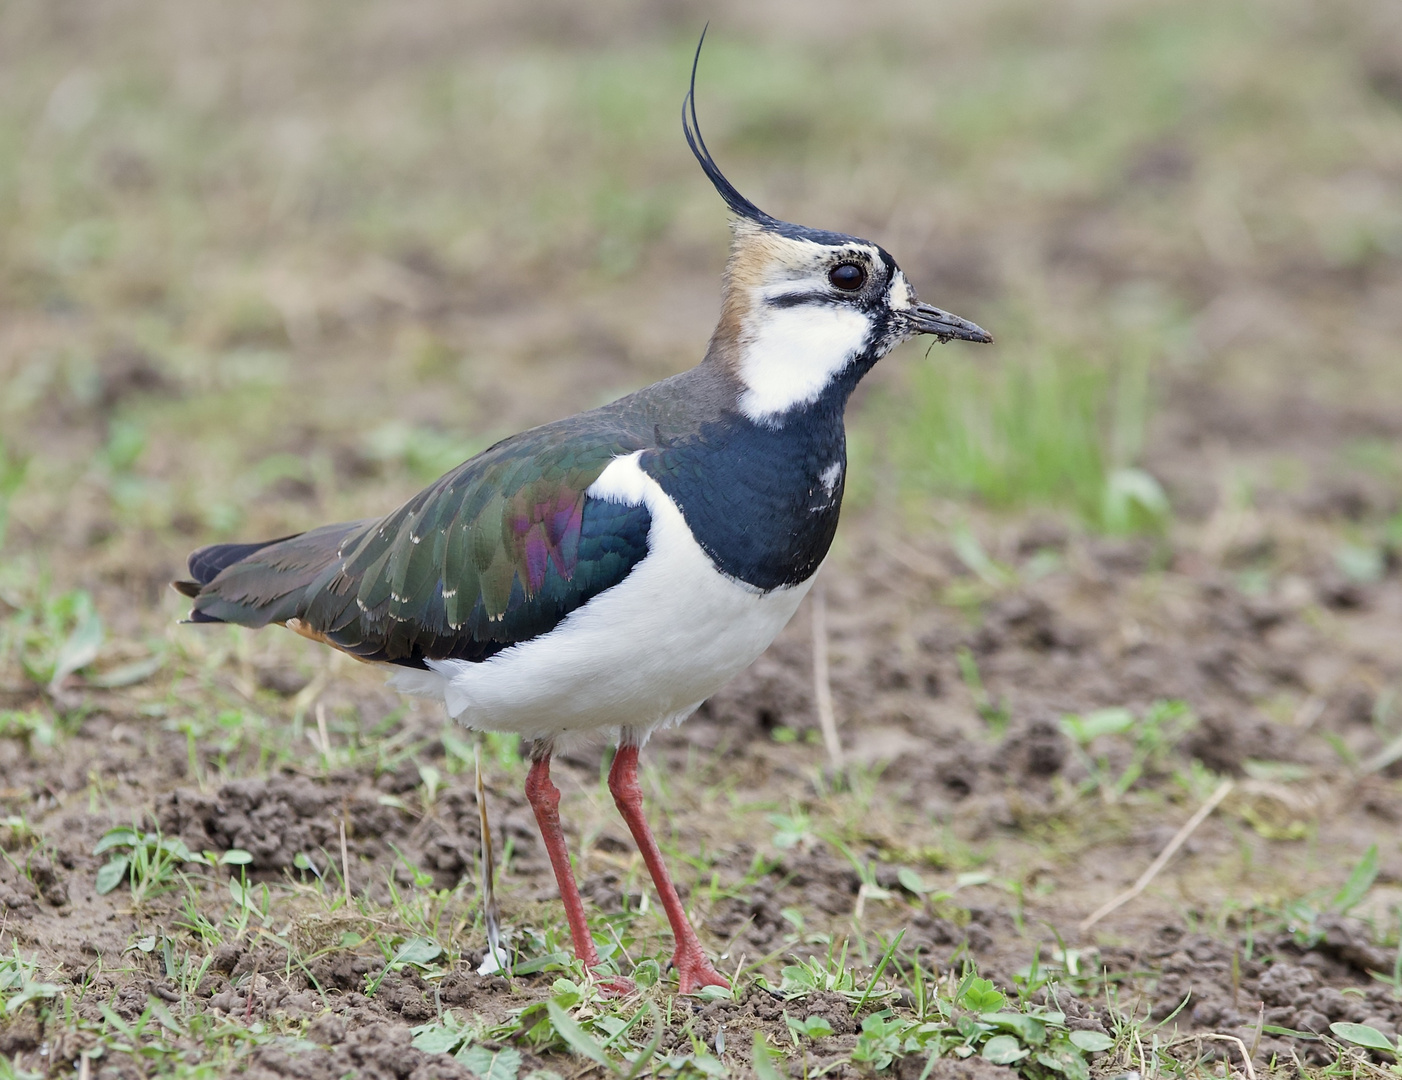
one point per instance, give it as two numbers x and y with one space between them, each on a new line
638 656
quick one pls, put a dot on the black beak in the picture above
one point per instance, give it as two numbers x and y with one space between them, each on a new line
924 319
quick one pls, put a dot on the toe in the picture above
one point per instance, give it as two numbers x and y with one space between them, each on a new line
694 972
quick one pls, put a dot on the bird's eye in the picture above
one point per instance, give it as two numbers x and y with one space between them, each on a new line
849 277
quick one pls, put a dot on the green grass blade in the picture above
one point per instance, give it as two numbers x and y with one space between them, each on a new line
579 1040
1358 883
885 959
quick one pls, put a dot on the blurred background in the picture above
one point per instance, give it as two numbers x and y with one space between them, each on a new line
267 265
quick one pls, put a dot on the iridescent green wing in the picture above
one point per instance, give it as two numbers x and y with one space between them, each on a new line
495 553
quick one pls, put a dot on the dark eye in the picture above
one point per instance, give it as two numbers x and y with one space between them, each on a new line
849 277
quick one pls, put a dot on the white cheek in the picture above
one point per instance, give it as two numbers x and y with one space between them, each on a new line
793 353
900 292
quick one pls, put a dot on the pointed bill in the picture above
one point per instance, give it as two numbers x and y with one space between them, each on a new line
927 319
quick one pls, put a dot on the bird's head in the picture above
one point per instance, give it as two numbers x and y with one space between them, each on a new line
805 310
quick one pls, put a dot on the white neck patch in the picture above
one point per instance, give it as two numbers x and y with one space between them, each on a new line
789 355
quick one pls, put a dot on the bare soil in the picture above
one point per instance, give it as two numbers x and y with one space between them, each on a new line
1285 656
1114 623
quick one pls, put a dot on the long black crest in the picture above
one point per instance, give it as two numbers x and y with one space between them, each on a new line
692 129
727 191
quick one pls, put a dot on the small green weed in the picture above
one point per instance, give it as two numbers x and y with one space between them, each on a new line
1151 737
20 985
31 726
794 829
418 952
829 972
51 636
810 1027
1393 978
952 1017
993 713
879 1041
151 861
610 1034
1301 917
1370 1037
974 1018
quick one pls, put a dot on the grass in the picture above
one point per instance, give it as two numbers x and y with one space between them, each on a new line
957 1014
1022 433
253 286
1052 415
1040 429
903 1010
401 921
1153 737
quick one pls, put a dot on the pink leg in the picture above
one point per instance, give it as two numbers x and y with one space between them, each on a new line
545 801
693 969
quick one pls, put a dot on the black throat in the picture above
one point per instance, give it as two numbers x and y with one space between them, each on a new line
763 499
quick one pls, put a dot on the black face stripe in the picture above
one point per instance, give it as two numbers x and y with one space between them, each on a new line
873 304
872 294
788 300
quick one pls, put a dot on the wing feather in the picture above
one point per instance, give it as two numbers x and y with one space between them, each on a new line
493 554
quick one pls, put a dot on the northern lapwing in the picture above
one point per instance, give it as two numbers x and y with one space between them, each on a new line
606 573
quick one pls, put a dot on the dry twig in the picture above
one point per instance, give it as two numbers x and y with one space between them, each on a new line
321 730
1249 1070
345 863
496 960
1179 838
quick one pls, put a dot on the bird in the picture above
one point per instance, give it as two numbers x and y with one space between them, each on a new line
604 574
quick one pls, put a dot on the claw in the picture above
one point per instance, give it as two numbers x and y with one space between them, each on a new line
694 971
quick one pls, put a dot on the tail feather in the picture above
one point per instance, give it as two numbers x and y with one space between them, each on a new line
206 563
255 584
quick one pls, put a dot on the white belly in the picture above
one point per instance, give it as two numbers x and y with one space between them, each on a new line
638 656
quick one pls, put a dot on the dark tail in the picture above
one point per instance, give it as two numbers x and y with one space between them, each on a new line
206 563
258 589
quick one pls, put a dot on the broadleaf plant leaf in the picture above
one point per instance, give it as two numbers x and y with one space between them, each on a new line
111 873
1004 1050
1363 1035
1092 1042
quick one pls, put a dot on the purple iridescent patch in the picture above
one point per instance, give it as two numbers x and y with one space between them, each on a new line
546 532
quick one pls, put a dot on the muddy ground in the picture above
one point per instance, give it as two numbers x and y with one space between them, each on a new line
1110 623
1256 637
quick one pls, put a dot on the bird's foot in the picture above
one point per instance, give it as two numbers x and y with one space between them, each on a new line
695 971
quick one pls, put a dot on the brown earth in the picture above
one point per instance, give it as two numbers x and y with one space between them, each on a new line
1243 611
1114 623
